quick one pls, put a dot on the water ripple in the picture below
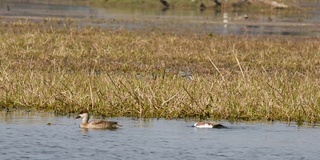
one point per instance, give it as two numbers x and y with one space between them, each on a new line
27 138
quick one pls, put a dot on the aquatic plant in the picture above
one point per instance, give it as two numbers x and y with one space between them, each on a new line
158 74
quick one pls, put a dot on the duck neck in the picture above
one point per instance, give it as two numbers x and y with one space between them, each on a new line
85 119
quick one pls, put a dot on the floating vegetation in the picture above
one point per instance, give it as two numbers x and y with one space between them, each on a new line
157 74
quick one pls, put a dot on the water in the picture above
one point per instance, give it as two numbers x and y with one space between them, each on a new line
28 136
185 21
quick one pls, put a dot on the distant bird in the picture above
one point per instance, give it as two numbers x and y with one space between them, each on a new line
208 125
218 3
242 17
165 3
95 124
245 16
8 8
202 7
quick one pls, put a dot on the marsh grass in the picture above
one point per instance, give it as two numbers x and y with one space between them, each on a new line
158 74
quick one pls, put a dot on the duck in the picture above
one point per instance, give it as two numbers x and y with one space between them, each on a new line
208 125
96 124
218 3
202 7
165 3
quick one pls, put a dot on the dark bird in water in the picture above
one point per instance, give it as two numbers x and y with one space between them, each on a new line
8 8
208 125
218 3
165 3
202 7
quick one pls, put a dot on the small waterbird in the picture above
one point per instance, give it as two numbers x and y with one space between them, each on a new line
165 3
218 3
208 125
96 124
202 7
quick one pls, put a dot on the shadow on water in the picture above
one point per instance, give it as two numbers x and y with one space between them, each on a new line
208 21
26 135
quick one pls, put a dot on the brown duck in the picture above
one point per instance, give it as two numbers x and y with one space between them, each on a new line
96 124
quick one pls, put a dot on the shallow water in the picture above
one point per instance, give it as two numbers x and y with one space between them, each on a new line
210 21
28 136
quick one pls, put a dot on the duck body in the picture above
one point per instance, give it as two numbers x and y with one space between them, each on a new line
165 3
208 125
202 7
96 124
218 3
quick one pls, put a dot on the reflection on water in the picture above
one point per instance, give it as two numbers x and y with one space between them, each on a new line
213 21
27 136
36 8
25 117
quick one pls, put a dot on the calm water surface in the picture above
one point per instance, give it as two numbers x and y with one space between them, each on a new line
27 136
210 21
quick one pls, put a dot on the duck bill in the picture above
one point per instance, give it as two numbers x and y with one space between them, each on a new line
78 117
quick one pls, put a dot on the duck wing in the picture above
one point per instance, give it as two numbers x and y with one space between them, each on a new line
96 122
105 124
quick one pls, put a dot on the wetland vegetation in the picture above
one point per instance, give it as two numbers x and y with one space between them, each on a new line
158 74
